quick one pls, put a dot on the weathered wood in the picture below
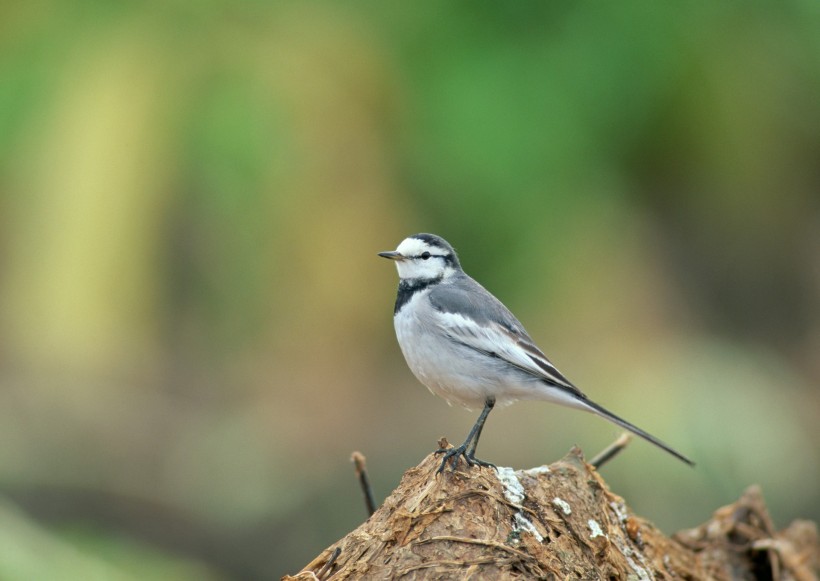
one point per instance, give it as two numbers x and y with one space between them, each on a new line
555 522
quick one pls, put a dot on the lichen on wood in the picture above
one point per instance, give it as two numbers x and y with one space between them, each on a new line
554 522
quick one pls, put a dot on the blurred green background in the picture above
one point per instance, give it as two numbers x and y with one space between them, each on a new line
195 329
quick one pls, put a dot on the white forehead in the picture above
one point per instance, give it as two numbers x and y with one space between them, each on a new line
414 247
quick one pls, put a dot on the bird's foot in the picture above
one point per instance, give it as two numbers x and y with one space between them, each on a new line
453 454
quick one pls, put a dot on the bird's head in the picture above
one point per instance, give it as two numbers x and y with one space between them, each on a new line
424 257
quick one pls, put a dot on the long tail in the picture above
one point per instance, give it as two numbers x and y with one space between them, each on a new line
594 407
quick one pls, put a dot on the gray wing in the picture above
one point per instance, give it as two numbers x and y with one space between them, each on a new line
469 315
472 316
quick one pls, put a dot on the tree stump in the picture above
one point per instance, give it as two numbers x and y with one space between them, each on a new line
554 522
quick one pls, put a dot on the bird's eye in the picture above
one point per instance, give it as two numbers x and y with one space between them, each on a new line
425 255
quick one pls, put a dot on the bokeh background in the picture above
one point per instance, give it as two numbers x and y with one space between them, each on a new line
195 329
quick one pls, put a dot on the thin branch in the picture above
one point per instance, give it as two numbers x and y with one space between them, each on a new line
359 461
611 451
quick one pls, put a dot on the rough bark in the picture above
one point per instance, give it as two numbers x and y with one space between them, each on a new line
554 522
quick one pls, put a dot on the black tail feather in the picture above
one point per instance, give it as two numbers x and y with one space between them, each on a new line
594 407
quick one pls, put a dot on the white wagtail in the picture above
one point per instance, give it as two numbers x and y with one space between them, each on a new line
468 348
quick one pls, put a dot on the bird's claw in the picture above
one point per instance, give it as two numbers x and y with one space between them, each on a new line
453 454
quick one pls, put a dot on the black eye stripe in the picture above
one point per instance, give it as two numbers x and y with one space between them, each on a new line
427 255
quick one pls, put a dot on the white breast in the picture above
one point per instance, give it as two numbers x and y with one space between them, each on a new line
458 374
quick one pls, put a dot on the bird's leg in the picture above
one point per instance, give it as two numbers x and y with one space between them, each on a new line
471 451
468 448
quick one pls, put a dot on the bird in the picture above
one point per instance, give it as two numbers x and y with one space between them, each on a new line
469 349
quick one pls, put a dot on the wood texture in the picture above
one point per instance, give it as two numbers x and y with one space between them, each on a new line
555 522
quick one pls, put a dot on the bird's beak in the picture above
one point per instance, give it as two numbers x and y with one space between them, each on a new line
392 255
